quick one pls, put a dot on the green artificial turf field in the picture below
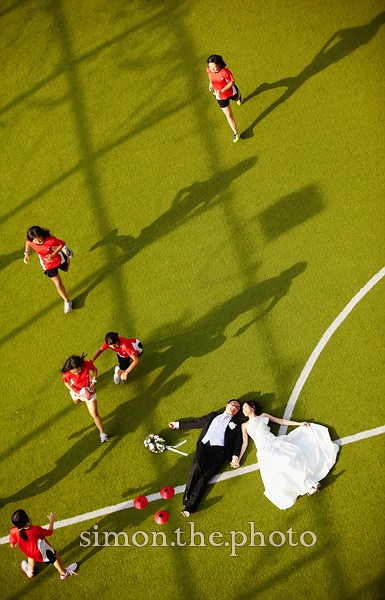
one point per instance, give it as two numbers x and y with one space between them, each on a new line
229 262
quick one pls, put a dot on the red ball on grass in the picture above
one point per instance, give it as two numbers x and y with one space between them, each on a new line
161 517
140 502
167 492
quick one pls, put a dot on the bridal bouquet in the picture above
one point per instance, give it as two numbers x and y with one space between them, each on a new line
157 444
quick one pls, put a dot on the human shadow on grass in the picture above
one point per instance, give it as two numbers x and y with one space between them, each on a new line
66 463
190 202
127 417
33 433
123 420
341 44
8 259
269 581
132 521
207 334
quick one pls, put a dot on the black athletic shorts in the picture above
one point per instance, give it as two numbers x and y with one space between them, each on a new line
124 361
224 103
51 558
63 267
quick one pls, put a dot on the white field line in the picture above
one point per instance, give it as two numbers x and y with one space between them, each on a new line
322 343
107 510
288 412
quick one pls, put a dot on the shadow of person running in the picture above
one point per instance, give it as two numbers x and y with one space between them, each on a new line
129 415
341 44
123 420
65 464
8 259
209 332
189 203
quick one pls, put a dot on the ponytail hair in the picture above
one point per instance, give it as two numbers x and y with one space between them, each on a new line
20 519
73 362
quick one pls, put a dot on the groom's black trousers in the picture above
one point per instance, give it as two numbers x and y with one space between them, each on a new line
208 460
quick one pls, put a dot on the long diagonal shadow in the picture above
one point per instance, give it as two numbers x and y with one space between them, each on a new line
189 203
341 44
124 419
209 333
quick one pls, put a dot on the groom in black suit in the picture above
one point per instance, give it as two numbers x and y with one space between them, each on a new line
220 440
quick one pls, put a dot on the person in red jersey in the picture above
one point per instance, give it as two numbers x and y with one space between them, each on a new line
128 351
77 378
53 255
31 540
222 83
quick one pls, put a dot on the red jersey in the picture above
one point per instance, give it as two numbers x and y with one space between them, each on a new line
30 547
220 80
82 379
48 246
127 347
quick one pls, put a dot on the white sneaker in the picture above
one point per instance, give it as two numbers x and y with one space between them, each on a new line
68 251
103 438
71 570
25 568
67 306
116 376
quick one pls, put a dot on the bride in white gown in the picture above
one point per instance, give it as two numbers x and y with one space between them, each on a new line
291 465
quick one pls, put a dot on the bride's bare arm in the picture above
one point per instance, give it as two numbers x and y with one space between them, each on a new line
284 421
244 442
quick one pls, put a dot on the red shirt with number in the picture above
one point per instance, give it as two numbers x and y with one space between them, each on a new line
220 80
82 379
30 547
47 247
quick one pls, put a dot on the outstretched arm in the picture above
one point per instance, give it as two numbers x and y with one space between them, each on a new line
192 423
97 353
52 518
285 421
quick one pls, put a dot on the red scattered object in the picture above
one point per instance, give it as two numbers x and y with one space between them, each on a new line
167 492
140 502
161 517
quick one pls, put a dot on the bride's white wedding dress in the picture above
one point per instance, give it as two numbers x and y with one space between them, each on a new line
291 464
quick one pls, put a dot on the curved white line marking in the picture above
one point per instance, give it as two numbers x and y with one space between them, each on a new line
108 510
322 343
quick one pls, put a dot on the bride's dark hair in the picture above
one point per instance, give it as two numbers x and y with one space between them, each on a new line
255 406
